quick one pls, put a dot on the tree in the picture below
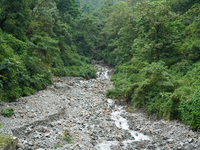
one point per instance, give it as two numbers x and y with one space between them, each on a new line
181 6
157 30
14 17
68 7
43 16
119 33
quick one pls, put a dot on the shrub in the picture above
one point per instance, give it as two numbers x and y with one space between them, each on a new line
190 111
66 137
5 138
113 93
87 72
148 92
7 112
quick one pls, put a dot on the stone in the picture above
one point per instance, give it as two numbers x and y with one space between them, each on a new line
21 146
30 143
91 122
171 132
170 140
47 135
190 140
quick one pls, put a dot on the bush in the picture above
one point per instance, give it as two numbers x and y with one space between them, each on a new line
8 78
7 112
87 72
5 139
124 78
113 93
190 111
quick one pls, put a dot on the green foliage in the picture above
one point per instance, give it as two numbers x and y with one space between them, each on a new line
14 17
64 138
193 14
84 70
87 72
124 77
190 111
0 126
8 78
7 112
154 46
155 52
5 138
37 40
67 7
182 6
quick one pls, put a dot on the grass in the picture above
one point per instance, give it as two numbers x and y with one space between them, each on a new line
66 137
5 139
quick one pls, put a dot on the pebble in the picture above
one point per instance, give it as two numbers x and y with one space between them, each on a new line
87 119
170 140
190 140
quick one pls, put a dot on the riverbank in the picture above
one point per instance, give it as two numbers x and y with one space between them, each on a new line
79 108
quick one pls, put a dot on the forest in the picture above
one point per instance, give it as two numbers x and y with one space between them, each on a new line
154 46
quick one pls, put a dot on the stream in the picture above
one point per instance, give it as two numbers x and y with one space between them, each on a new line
121 123
79 109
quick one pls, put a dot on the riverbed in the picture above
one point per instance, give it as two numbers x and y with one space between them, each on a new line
78 108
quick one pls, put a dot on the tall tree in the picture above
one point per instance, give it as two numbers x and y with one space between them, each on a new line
68 7
14 17
158 32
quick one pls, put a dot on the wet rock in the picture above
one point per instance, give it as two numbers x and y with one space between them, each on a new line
190 140
88 120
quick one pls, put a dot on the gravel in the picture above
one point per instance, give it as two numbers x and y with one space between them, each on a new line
76 108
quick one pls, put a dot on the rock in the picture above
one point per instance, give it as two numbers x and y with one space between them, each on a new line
59 85
132 138
88 119
171 132
170 140
30 143
21 146
165 138
190 140
17 115
59 122
47 135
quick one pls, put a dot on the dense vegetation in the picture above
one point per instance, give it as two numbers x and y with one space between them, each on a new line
38 39
154 46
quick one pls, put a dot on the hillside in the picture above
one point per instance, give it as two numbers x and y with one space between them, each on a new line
154 46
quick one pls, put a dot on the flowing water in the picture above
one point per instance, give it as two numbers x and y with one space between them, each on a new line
120 122
80 108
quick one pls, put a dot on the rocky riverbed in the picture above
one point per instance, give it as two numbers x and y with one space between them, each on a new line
74 114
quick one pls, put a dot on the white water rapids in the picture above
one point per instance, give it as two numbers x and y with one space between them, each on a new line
120 122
